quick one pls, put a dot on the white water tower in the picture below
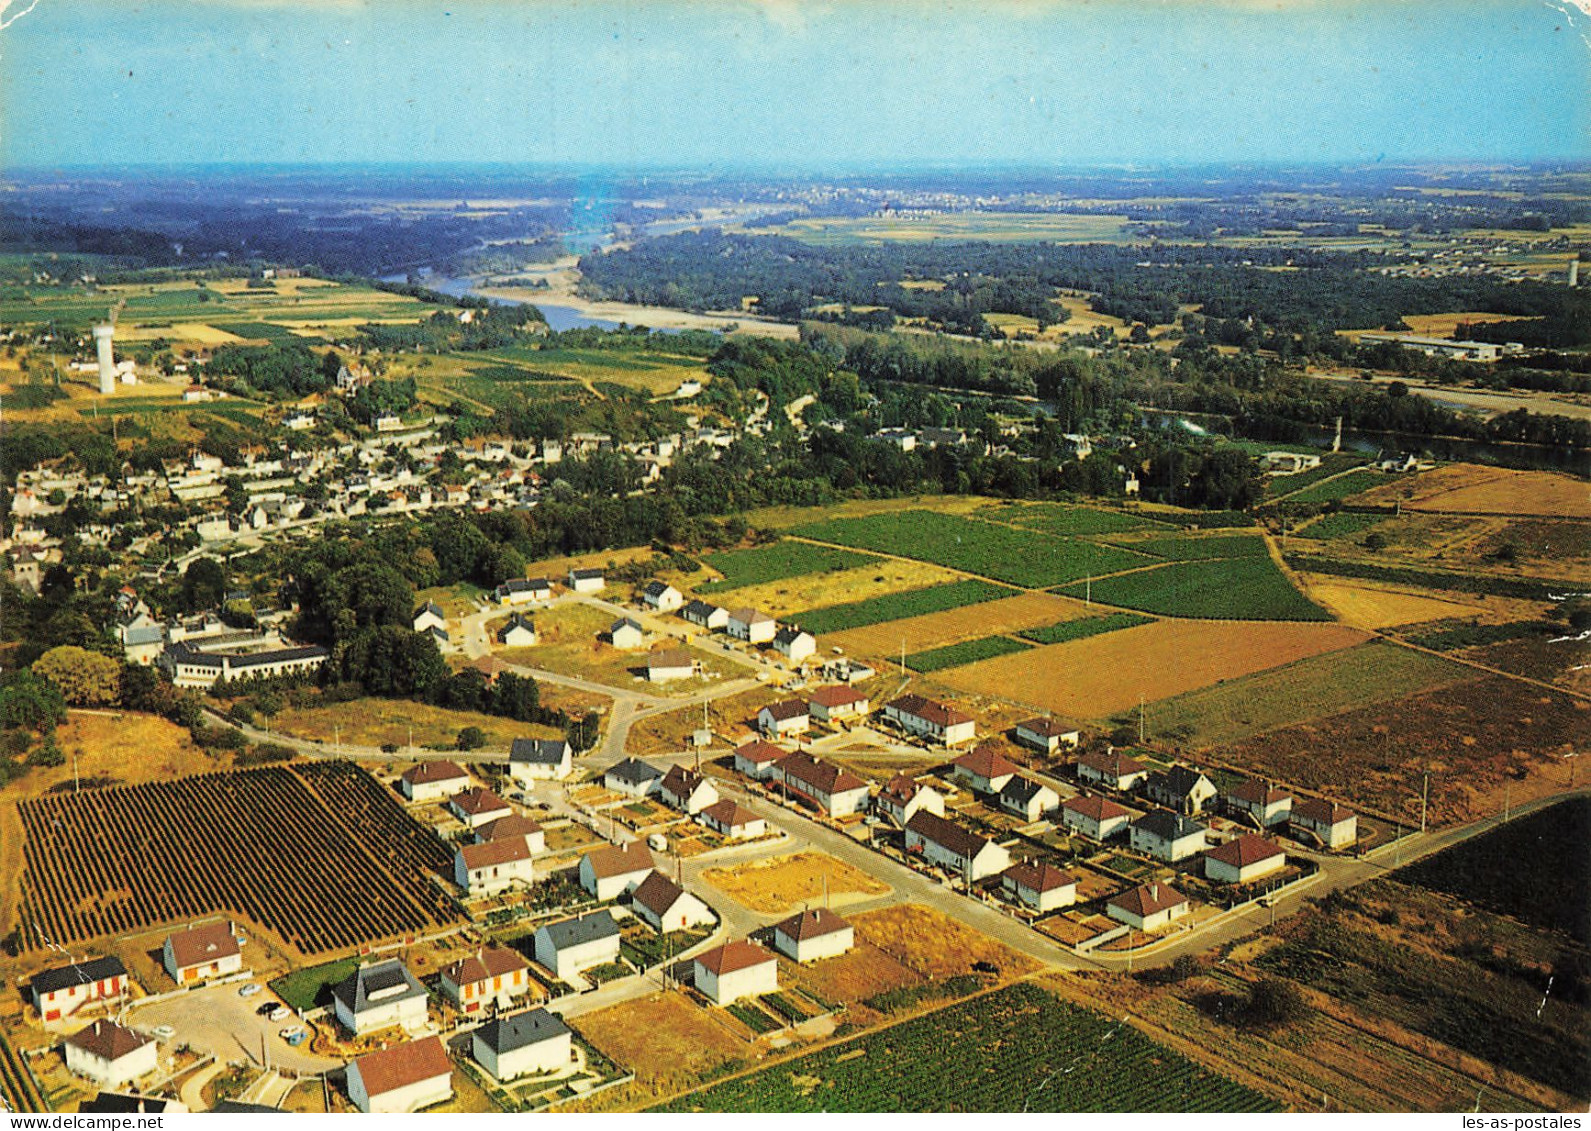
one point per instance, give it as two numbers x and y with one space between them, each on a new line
1574 271
103 332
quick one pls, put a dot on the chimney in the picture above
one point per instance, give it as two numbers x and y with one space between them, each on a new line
1154 892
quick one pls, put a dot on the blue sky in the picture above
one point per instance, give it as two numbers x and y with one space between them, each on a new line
793 83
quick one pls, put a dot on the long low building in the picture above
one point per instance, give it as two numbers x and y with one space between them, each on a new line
189 667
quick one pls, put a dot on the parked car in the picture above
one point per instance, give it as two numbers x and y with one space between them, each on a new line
267 1009
297 1039
279 1012
164 1032
292 1031
657 842
250 990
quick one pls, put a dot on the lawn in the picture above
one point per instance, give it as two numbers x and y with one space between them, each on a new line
896 606
1082 629
966 652
1225 589
305 989
782 559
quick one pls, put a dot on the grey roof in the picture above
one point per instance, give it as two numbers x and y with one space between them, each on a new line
520 1030
656 588
144 634
698 609
587 928
788 635
585 574
1168 825
621 622
77 974
1020 790
429 607
1178 781
633 771
379 984
538 751
518 620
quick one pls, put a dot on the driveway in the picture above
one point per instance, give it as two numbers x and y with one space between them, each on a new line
216 1020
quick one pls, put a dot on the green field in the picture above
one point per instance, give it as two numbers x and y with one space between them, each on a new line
1353 483
1228 589
1004 553
1017 1049
1062 519
1311 688
777 561
1002 227
1331 463
1343 524
895 606
1191 548
1068 630
652 371
305 989
967 652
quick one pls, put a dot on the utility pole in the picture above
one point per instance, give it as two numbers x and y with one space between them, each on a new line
1425 798
1140 718
336 738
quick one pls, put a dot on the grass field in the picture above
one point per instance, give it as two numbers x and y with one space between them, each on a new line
1190 547
895 606
1002 227
1464 488
1353 482
1019 557
933 944
306 988
1365 606
1083 628
966 652
656 372
374 722
1063 519
790 595
1229 589
1002 615
781 884
785 558
662 1037
1343 524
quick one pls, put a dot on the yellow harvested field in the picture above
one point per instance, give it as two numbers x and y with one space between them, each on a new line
791 595
989 618
1443 325
777 518
1365 606
177 332
377 722
1097 677
661 1036
1083 320
934 945
781 884
1465 488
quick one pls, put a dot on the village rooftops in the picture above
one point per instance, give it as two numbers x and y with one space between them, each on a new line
538 751
923 708
681 781
1046 727
732 956
760 753
822 776
813 923
670 658
657 893
108 1040
1039 877
83 973
1167 825
1317 811
1256 791
583 929
388 1070
836 695
474 802
946 834
1112 763
899 789
986 762
505 827
634 772
729 814
786 710
491 853
378 984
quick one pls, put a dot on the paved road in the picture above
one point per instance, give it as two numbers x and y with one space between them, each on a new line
216 1020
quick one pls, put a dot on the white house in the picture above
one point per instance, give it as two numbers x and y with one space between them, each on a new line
665 906
1261 802
60 992
738 969
572 945
1180 788
1149 907
433 781
831 789
669 664
1043 887
758 759
1166 836
734 821
1094 816
812 935
661 596
587 580
705 615
494 866
1243 860
788 716
684 789
901 798
210 951
633 778
507 828
610 871
478 806
494 975
934 721
626 634
1028 799
429 615
835 702
751 626
519 631
521 1043
1045 735
953 848
523 591
110 1054
1112 769
401 1079
379 996
1331 824
985 769
794 644
539 759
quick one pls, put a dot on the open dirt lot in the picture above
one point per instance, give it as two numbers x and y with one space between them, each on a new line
860 972
785 883
934 945
374 722
662 1036
989 618
1467 488
1099 676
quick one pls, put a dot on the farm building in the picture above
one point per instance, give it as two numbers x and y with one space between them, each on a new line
572 945
1166 836
539 759
835 702
210 951
1149 907
1243 860
901 798
428 615
507 828
626 634
835 791
1097 817
758 759
671 663
492 867
788 716
735 970
751 626
934 721
1112 769
189 667
984 769
1288 463
520 1043
523 591
794 644
734 821
432 781
704 615
494 975
517 632
665 906
633 778
1261 802
610 871
60 992
1330 824
1028 799
110 1054
1043 887
587 580
478 806
1045 735
1180 788
812 935
379 996
661 596
686 789
953 848
401 1079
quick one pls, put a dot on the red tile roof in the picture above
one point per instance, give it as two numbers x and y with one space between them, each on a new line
507 850
489 962
760 753
836 695
812 924
1148 900
729 814
1048 727
900 789
1114 764
657 893
669 658
1245 850
987 762
946 834
787 709
204 944
398 1067
1316 811
1258 792
1095 808
504 827
108 1040
1040 877
821 776
611 860
937 713
738 955
427 772
474 802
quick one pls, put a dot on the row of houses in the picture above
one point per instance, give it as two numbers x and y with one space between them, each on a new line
745 624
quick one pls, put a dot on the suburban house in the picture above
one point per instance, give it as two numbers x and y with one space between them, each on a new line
735 970
1180 788
1094 816
901 798
518 631
661 596
934 721
633 778
1045 735
1261 802
665 906
751 626
478 806
572 945
1149 907
1043 887
432 781
671 663
812 935
758 759
984 769
835 791
507 828
429 615
1331 824
60 992
835 702
1112 769
610 871
521 1043
587 580
794 644
1028 799
539 759
626 634
494 974
1243 860
493 866
401 1079
1166 836
704 615
953 848
687 790
788 716
520 591
210 951
110 1054
379 996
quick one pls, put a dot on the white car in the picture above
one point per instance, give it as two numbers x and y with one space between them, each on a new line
292 1031
250 990
163 1032
279 1013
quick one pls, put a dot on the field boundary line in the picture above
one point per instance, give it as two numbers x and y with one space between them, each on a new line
1480 667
